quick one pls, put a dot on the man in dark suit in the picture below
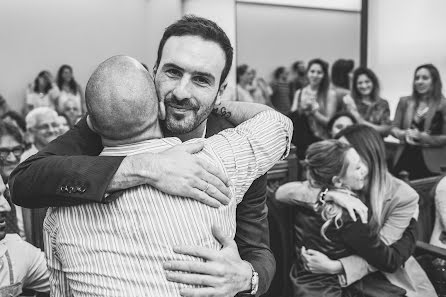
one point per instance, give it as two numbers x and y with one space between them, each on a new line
194 58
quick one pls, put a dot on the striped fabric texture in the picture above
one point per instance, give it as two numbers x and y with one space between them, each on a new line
118 249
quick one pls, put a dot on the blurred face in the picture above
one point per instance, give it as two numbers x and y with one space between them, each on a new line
301 68
4 209
284 75
63 125
315 74
71 110
46 129
252 75
340 124
67 74
364 85
10 152
187 80
423 81
356 172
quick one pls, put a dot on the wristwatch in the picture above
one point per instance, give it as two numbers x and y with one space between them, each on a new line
254 283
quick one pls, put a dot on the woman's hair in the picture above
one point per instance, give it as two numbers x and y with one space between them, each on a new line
340 115
325 160
17 118
278 72
436 82
370 147
241 70
72 84
10 129
356 95
46 76
325 82
339 72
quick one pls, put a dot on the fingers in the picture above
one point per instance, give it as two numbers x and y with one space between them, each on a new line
204 198
352 213
198 292
214 171
221 237
213 192
193 267
192 279
196 251
191 148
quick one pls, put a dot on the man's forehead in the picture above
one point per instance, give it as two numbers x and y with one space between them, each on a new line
194 53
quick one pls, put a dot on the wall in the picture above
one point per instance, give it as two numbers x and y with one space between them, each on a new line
400 39
43 34
269 36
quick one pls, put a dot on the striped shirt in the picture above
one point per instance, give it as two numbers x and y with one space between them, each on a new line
118 249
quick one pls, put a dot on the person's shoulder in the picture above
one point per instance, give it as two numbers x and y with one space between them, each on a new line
403 191
406 99
15 242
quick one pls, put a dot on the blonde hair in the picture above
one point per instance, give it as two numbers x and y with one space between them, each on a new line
325 160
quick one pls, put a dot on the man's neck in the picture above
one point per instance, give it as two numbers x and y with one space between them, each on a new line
153 133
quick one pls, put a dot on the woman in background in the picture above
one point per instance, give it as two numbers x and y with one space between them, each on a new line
317 101
244 81
365 103
340 121
42 93
393 204
280 97
420 121
69 89
340 77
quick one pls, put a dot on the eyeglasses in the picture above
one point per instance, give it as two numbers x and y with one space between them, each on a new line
16 151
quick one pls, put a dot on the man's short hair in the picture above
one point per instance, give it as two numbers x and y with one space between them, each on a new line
39 112
191 25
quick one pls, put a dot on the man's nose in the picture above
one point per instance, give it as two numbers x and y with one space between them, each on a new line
11 157
52 128
182 90
4 204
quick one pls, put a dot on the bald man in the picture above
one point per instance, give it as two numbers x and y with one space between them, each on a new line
119 249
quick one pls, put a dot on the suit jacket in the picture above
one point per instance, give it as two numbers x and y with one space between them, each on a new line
405 113
69 172
400 206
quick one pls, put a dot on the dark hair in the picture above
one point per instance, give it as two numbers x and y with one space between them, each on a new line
72 84
337 116
325 83
278 72
370 146
356 95
10 129
45 75
17 118
241 70
437 86
339 72
208 30
61 114
295 65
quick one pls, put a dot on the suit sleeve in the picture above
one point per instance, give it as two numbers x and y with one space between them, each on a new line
252 236
364 243
66 172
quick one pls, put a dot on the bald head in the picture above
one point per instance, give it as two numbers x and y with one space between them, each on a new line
121 99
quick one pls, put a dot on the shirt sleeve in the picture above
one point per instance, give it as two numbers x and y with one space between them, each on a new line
440 201
37 276
252 148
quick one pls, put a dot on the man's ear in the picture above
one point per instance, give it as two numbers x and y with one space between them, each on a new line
161 110
220 93
89 123
336 180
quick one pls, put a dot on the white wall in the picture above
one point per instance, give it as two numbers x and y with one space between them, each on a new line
43 34
269 36
402 35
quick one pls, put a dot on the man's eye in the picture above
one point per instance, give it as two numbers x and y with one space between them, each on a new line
173 72
201 80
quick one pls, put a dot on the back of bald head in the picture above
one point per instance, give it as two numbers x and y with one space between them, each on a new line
121 98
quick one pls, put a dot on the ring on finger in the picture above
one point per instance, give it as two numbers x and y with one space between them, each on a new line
207 187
